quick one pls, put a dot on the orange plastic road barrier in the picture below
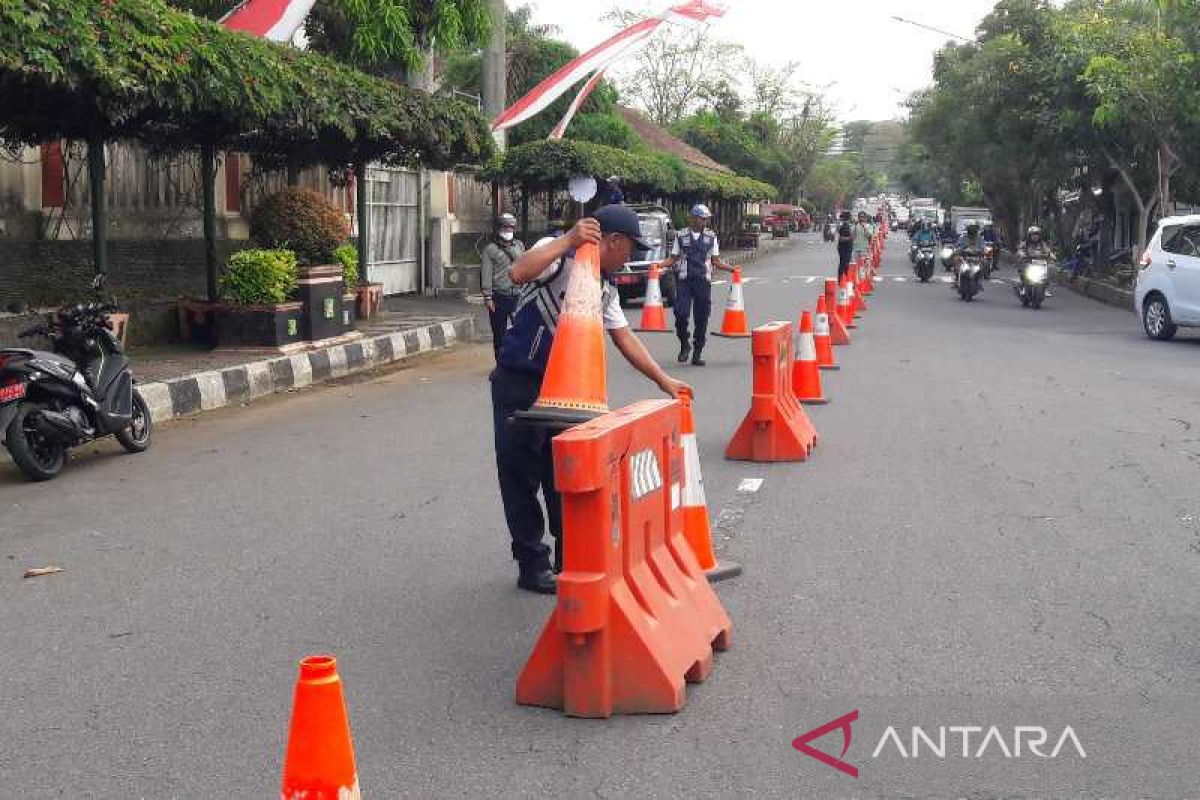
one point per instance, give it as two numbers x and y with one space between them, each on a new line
837 326
696 527
821 337
654 316
806 375
635 617
575 385
319 764
776 429
733 324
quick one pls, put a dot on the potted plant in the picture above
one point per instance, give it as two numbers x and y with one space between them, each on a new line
306 223
260 313
347 256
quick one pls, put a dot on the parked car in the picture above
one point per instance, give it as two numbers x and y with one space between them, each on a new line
1167 290
659 232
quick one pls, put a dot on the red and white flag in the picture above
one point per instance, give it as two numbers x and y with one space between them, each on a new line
561 127
596 61
277 20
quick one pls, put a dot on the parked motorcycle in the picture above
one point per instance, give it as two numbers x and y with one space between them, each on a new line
968 277
923 265
84 390
827 233
1034 278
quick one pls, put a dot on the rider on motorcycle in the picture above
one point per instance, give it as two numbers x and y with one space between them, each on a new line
1034 246
971 242
924 236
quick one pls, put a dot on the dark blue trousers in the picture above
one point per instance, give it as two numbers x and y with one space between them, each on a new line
693 295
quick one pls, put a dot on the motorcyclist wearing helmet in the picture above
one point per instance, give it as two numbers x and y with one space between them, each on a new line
499 293
1034 245
924 236
694 255
971 241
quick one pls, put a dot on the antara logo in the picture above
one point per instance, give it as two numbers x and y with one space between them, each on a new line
937 743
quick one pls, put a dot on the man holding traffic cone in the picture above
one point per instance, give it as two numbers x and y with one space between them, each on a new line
554 285
694 256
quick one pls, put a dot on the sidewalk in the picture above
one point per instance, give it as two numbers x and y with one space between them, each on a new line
178 380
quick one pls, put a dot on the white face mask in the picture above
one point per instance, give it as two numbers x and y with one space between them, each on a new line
506 235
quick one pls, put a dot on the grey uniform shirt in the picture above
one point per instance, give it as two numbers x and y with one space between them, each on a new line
493 275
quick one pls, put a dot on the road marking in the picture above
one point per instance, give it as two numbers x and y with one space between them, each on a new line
750 485
811 279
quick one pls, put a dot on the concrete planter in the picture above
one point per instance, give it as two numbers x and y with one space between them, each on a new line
265 326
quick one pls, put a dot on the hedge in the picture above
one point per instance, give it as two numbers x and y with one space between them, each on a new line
80 69
549 164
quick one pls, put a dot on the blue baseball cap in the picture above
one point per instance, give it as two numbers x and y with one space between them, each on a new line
620 218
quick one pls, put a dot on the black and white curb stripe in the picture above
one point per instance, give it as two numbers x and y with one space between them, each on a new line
245 383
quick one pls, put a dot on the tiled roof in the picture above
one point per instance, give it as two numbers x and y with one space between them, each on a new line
658 139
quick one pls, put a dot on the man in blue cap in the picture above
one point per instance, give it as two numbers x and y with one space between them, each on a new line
693 256
524 463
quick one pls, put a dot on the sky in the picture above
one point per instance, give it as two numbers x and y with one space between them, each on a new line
868 61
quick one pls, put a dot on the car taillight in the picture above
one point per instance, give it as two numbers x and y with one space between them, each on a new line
12 391
1145 260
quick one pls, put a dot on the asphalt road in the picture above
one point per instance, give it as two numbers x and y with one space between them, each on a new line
1000 528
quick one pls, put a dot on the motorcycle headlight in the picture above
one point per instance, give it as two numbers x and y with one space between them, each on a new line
1036 272
947 253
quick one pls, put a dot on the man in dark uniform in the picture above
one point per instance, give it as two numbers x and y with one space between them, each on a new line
524 462
693 256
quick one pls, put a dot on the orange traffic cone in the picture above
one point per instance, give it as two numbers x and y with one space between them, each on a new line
654 316
733 324
845 307
695 508
821 337
574 388
860 283
837 326
806 375
319 764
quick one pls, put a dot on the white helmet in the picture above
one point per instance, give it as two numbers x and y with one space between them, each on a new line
700 210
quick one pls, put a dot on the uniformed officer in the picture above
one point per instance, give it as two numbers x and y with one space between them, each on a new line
523 457
499 294
693 256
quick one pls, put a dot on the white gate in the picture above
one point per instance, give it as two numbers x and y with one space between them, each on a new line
394 211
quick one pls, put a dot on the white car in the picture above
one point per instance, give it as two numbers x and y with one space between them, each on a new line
1167 293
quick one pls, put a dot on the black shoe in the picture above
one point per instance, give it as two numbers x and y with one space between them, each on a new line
685 352
538 581
697 359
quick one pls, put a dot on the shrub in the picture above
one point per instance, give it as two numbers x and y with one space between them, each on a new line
260 277
347 256
302 221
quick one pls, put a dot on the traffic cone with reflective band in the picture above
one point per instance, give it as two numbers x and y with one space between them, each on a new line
319 763
806 375
733 324
860 283
844 308
654 316
696 527
852 297
822 338
837 325
574 388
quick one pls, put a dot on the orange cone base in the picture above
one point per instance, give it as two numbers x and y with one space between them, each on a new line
553 417
654 330
832 366
837 330
724 335
654 320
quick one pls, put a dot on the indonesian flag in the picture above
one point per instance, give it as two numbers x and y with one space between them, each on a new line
596 60
277 20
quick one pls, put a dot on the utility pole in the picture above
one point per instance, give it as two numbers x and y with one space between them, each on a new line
495 68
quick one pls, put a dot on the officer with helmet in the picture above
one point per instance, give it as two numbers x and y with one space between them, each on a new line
693 256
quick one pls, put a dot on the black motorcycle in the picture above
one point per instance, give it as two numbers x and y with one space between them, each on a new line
968 274
924 263
1034 277
82 391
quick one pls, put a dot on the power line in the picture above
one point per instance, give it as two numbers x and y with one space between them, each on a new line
935 30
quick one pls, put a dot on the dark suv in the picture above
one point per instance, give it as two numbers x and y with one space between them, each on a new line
658 232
